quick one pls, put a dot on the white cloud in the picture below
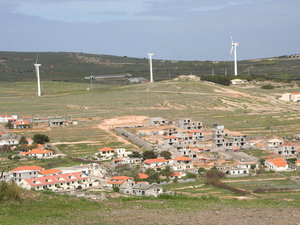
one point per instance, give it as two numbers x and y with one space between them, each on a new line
87 10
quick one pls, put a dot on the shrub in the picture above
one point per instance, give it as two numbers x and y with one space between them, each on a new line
9 125
135 154
23 141
41 139
267 86
116 189
9 191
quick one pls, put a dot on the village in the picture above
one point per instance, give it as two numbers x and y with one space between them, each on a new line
169 151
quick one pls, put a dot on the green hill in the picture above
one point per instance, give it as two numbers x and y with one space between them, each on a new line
64 66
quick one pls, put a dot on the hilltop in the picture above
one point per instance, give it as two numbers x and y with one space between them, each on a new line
67 66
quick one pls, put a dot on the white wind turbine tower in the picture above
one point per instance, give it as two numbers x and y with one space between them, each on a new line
150 62
233 49
37 70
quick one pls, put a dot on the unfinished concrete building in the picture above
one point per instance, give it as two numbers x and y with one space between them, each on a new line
188 124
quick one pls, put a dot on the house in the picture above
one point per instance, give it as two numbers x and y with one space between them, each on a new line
21 124
290 97
57 122
177 175
156 164
157 121
196 134
11 142
188 124
38 153
8 118
109 153
66 181
297 163
141 188
117 181
93 169
25 172
274 143
238 81
126 161
278 164
286 150
232 169
182 163
50 172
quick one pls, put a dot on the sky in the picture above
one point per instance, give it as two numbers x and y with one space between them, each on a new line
171 29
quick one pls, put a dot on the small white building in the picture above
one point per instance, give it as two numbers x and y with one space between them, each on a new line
10 142
38 153
277 164
238 82
290 97
107 153
8 118
182 163
156 164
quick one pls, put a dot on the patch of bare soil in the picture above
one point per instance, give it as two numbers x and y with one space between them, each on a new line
123 121
233 216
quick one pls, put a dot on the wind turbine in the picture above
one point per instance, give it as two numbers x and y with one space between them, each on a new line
150 62
37 70
233 49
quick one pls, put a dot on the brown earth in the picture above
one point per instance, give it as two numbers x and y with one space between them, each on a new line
233 216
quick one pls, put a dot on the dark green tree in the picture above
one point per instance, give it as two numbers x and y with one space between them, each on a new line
149 155
41 139
166 154
135 154
23 141
167 171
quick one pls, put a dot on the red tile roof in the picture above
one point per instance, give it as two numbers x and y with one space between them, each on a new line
195 131
175 174
36 151
60 178
182 158
288 144
150 161
296 93
170 137
278 162
142 176
50 171
30 168
118 160
118 180
106 149
22 122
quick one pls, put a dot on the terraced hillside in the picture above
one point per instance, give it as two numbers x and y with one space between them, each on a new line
63 66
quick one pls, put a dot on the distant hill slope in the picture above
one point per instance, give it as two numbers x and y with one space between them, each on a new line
18 66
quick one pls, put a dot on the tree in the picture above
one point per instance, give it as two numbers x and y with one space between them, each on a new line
201 170
40 139
167 171
214 175
166 154
153 176
149 155
9 125
23 141
135 154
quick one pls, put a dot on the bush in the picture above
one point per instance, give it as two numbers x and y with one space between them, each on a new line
9 125
116 189
267 86
41 139
190 176
9 191
23 141
135 154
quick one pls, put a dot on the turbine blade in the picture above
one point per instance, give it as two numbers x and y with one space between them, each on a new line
231 50
37 57
231 38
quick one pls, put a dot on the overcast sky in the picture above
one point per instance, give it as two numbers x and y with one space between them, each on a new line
172 29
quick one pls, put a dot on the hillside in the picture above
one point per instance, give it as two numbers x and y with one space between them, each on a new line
63 66
251 110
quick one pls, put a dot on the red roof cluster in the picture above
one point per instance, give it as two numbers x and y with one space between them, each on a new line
60 178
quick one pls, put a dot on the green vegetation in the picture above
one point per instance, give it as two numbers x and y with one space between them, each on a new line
41 139
9 192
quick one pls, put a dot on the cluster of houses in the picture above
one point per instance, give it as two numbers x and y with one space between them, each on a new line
29 122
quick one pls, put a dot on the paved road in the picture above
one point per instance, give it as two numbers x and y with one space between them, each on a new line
133 138
239 156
